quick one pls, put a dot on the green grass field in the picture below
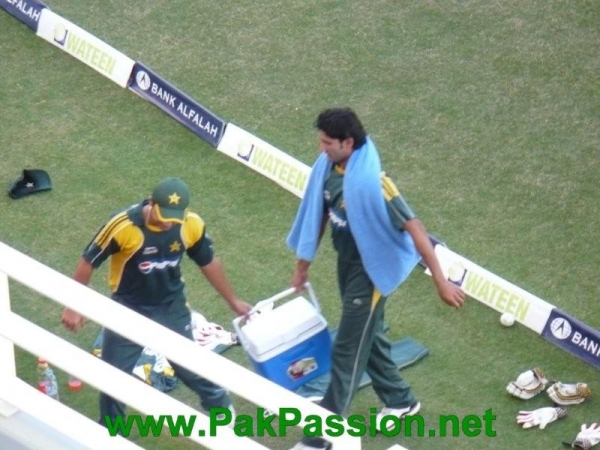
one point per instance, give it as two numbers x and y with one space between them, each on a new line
486 114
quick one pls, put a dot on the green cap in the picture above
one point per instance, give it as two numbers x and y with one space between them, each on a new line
31 181
171 197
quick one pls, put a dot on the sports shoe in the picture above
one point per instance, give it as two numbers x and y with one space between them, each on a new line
268 413
302 446
222 416
401 413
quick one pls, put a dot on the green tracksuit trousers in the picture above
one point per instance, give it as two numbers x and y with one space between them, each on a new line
361 344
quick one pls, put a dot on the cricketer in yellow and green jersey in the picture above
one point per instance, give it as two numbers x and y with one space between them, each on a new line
145 263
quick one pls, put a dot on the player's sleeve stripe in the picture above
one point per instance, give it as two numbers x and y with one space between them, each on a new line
389 188
192 230
109 231
120 244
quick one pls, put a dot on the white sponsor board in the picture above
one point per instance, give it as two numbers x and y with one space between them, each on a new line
267 160
493 291
85 47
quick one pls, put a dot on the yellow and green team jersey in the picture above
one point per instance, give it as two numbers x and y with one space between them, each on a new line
145 262
341 234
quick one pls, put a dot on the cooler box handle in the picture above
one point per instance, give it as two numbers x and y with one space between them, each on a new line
237 325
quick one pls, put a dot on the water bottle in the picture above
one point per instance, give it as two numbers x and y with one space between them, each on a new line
46 379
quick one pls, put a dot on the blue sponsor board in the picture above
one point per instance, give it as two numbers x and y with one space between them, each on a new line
28 12
574 336
177 104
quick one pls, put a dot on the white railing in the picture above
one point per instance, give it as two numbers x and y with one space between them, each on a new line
15 395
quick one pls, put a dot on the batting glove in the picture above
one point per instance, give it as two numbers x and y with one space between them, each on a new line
541 417
528 384
568 394
587 437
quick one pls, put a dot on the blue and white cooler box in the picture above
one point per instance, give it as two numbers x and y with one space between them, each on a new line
290 344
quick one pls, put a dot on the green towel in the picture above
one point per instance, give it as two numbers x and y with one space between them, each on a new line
404 353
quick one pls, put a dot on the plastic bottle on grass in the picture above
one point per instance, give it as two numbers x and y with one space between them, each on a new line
47 380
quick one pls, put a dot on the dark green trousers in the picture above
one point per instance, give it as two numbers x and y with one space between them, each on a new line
361 345
123 354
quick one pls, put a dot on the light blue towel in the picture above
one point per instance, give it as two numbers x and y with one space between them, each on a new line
304 235
388 254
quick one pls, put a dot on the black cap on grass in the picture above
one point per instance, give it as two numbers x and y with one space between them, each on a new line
30 182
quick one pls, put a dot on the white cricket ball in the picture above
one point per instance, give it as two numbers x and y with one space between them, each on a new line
507 319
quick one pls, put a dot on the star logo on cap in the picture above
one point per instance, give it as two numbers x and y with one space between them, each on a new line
30 185
175 246
174 198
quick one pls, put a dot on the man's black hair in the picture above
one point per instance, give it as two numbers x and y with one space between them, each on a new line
341 123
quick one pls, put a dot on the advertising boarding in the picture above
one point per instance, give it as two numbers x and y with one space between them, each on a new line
28 12
178 105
